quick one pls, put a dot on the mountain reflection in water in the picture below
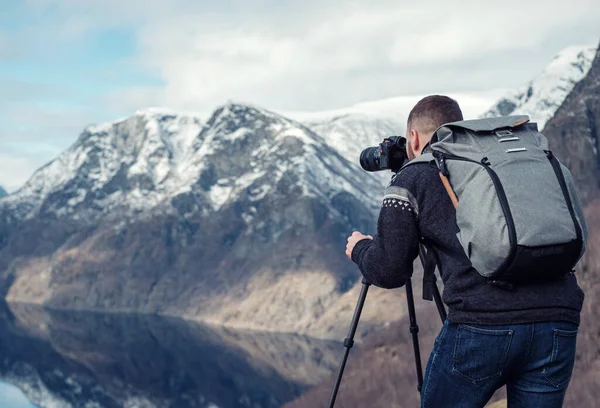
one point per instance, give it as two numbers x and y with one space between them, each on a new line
80 359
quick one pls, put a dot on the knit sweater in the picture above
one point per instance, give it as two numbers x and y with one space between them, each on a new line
415 208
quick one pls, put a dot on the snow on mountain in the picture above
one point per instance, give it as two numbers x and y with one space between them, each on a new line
542 96
351 133
144 161
151 152
351 129
278 146
146 153
397 108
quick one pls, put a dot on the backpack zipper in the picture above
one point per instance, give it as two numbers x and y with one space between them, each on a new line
563 186
510 223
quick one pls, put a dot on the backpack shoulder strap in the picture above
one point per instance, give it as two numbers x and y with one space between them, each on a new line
429 264
424 158
428 158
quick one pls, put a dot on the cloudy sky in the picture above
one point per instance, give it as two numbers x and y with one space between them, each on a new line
65 64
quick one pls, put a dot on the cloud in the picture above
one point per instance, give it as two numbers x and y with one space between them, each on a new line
325 54
125 102
342 52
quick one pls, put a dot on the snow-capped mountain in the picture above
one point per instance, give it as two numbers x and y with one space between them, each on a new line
542 96
241 220
2 192
279 146
133 163
350 134
148 159
351 129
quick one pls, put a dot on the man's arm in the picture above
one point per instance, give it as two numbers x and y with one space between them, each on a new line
387 259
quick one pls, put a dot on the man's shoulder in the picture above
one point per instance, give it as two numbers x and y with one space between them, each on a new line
415 185
414 175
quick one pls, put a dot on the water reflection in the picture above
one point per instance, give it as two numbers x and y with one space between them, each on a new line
12 397
105 360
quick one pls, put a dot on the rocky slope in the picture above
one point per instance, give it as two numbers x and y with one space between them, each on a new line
574 132
542 96
241 221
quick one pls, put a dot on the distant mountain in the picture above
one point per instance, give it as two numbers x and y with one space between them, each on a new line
542 96
130 165
351 133
361 124
241 220
2 192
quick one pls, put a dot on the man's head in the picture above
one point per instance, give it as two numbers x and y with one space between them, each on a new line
427 115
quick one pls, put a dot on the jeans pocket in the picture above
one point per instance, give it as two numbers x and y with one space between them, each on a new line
559 367
480 354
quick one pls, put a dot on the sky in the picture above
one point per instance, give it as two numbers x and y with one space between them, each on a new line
66 64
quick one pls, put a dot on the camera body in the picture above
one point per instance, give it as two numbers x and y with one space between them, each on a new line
390 154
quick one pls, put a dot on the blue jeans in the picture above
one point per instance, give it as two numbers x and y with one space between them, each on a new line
469 363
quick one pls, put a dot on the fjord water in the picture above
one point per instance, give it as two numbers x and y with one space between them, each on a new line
12 397
82 359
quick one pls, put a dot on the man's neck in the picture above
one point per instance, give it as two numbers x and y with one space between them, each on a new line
427 148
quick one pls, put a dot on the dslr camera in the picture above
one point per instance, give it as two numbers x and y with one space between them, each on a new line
390 154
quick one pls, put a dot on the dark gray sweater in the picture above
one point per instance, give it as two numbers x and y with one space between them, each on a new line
415 205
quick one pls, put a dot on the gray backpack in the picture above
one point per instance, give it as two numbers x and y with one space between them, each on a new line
519 215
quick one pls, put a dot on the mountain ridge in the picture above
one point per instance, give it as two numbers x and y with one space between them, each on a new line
542 96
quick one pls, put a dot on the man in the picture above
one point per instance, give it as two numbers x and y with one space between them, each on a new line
522 337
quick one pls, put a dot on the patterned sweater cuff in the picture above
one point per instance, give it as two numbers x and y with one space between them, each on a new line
359 248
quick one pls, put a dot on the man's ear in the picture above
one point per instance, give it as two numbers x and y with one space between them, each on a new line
415 143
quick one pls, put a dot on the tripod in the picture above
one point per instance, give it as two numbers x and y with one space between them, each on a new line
430 292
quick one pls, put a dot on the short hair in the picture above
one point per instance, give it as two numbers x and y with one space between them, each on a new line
432 112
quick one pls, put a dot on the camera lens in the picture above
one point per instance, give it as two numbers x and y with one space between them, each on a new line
369 159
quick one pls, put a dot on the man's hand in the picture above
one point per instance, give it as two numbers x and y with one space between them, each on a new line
352 240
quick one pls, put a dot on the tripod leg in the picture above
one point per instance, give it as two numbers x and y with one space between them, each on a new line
414 330
349 341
